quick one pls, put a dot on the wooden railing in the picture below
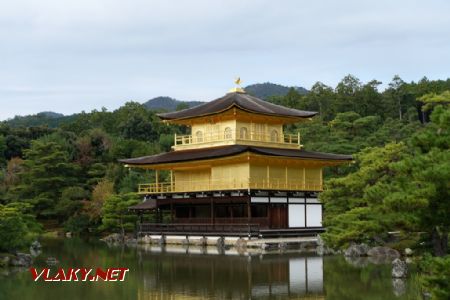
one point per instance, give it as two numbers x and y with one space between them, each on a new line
205 138
199 229
229 184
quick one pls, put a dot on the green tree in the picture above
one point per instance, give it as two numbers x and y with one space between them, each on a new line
396 95
47 171
93 208
354 207
433 99
424 175
2 150
71 202
16 228
435 276
136 122
115 214
181 106
402 186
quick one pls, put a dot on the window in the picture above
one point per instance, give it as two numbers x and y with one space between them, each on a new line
199 136
227 133
243 133
222 211
274 136
258 132
182 212
201 211
259 211
239 211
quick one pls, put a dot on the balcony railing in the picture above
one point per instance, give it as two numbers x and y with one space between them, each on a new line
230 184
233 136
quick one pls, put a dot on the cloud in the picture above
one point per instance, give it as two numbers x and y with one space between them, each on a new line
68 56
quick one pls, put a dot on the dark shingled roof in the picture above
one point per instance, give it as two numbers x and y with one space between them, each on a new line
241 100
223 151
145 205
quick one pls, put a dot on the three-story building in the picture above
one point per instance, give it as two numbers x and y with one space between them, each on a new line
238 166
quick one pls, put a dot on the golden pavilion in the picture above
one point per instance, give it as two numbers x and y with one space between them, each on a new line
237 170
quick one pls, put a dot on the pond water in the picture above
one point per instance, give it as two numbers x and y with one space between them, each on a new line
193 273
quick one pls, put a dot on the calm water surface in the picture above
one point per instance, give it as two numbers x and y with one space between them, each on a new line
192 273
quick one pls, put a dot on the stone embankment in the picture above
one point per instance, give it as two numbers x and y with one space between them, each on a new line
300 243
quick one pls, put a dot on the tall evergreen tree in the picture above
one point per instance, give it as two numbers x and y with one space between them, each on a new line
47 171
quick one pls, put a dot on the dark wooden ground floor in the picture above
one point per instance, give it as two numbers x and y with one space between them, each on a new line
228 213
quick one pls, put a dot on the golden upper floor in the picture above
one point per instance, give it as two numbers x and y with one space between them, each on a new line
242 172
237 118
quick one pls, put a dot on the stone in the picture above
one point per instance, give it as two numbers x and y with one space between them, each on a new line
145 240
380 260
383 251
241 243
4 260
399 268
51 261
35 248
408 252
198 241
35 252
220 242
322 249
357 250
68 234
131 241
114 238
399 286
21 260
36 245
357 261
161 241
282 246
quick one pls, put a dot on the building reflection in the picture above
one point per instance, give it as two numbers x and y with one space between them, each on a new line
174 272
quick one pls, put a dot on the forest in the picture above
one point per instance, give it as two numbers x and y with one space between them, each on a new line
66 175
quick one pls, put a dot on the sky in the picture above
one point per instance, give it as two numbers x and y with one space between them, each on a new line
68 56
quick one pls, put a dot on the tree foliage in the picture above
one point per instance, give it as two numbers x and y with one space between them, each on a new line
401 186
115 214
17 227
436 276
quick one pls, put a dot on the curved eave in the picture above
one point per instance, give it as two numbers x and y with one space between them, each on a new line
291 118
189 156
242 101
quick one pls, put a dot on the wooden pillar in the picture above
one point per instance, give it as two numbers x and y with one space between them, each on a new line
249 210
212 210
171 180
321 179
157 180
230 210
286 178
304 178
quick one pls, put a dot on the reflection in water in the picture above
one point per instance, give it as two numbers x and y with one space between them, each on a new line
208 273
223 274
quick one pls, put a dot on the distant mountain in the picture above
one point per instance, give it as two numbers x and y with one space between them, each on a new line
50 114
260 90
49 118
53 119
267 89
168 103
